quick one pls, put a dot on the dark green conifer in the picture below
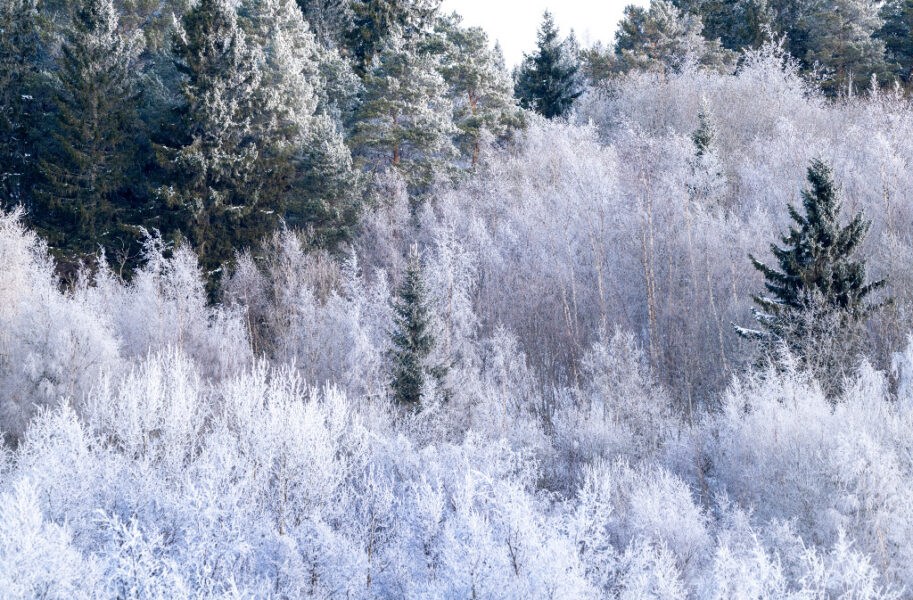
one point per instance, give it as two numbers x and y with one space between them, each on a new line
412 338
550 80
704 135
20 70
818 298
897 34
83 164
375 22
214 194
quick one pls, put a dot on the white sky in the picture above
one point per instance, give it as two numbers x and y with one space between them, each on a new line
514 22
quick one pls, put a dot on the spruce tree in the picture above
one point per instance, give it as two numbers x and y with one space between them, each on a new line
412 338
550 80
479 84
308 169
706 181
20 69
83 165
215 190
817 300
329 19
405 121
704 136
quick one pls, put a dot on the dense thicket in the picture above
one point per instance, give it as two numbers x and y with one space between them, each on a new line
449 358
212 122
841 44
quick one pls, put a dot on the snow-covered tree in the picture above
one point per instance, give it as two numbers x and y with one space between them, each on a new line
818 299
662 38
85 164
479 85
19 80
549 80
376 22
310 178
840 35
404 121
329 19
412 337
214 188
896 33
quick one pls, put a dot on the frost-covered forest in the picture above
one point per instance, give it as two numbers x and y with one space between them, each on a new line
363 315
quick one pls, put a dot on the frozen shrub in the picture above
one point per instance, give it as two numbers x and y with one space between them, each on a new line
53 345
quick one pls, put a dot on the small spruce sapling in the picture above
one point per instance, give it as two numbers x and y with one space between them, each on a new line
412 337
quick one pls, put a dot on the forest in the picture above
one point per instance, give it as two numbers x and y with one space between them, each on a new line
321 299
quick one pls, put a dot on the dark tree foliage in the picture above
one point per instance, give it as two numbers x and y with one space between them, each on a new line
214 195
817 297
84 162
897 33
375 22
737 24
330 20
20 68
703 136
412 338
550 80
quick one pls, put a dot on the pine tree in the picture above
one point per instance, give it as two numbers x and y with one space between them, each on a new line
216 190
83 166
20 69
479 84
818 298
405 120
737 24
662 39
550 80
411 337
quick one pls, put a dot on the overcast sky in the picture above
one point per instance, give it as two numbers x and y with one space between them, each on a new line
514 22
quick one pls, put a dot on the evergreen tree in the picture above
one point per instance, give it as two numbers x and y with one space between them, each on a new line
329 19
405 119
737 24
840 36
216 191
550 80
479 85
412 338
83 165
598 63
818 298
662 38
308 166
705 134
897 34
376 22
20 68
706 180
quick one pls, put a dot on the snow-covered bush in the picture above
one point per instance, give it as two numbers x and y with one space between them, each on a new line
53 346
